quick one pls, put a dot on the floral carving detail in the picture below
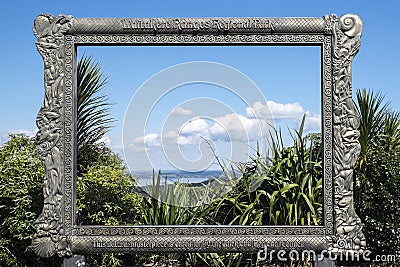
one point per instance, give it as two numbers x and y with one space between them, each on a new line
346 40
49 238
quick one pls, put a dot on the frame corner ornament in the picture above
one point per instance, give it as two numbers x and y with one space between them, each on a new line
349 237
49 238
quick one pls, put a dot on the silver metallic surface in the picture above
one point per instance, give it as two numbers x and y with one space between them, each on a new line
346 39
198 25
57 39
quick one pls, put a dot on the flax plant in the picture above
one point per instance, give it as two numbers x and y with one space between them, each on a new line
282 189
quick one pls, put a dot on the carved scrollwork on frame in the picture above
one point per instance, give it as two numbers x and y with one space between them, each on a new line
197 39
57 41
199 230
346 40
49 238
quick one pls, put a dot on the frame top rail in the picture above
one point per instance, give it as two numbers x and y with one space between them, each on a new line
200 25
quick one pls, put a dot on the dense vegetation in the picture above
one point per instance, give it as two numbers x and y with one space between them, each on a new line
21 201
105 196
284 188
377 173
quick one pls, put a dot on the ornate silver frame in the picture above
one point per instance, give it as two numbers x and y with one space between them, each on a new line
57 41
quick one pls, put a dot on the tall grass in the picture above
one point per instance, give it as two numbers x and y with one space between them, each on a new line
282 188
172 204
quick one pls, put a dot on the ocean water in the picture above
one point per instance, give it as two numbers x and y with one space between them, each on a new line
172 176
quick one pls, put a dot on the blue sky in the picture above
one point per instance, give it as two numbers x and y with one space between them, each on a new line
275 72
22 91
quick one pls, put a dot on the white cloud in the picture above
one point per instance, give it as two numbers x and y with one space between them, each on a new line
218 132
196 125
258 110
232 127
189 139
180 111
236 127
289 111
149 140
313 122
275 110
192 132
140 147
286 111
170 135
145 143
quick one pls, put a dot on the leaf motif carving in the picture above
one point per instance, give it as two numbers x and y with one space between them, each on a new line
347 32
48 239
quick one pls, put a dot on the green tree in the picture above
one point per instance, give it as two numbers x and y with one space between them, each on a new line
21 177
21 201
372 111
105 196
377 172
106 193
102 179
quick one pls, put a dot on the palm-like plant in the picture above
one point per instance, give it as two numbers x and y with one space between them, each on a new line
93 115
377 172
372 112
392 129
379 125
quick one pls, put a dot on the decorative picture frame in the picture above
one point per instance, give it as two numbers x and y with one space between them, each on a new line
57 42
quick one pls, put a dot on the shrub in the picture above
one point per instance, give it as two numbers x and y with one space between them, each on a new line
377 172
105 196
105 192
21 201
378 201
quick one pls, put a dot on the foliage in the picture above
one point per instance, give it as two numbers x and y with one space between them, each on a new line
372 112
296 176
102 179
165 204
380 202
377 172
285 189
22 174
21 201
93 118
105 193
105 196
